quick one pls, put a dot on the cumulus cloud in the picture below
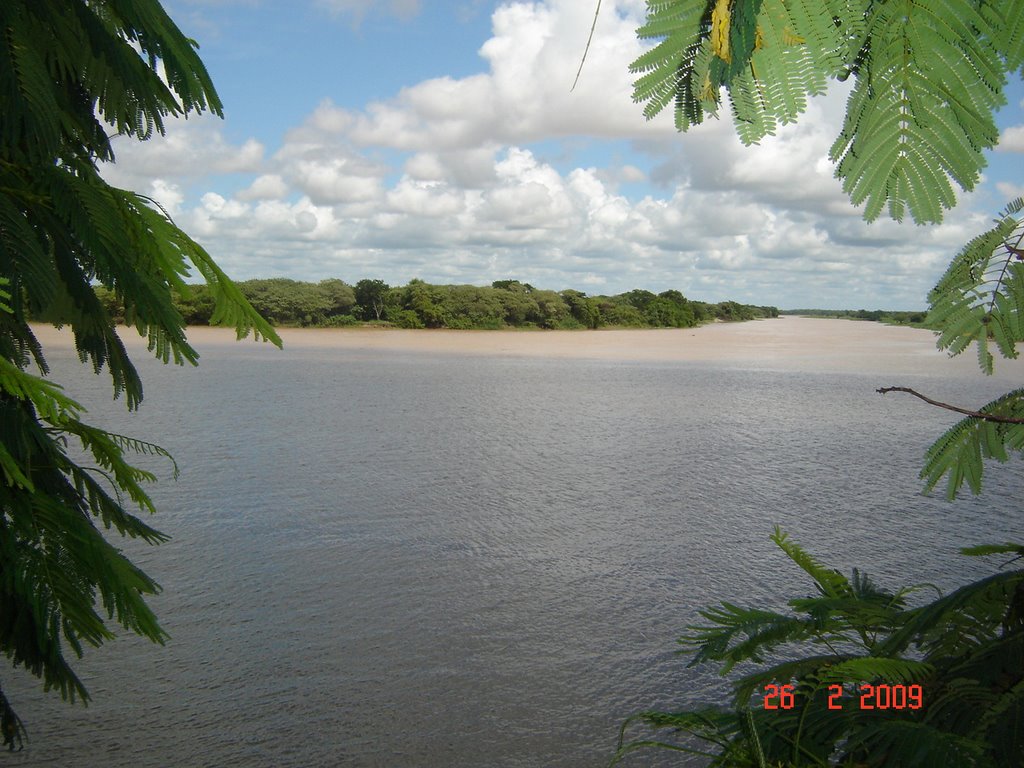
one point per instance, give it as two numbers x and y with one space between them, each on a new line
269 186
1012 139
168 195
533 56
190 149
454 180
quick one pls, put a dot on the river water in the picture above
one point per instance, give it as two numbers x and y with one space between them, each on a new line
386 557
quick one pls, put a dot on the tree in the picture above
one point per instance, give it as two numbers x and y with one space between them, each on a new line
927 79
583 309
551 309
639 298
518 301
339 296
371 296
196 307
70 71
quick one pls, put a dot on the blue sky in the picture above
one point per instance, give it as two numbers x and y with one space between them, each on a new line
402 139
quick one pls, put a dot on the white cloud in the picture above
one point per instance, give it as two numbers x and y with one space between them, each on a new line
168 195
424 198
1010 191
334 181
533 56
266 187
191 151
1012 139
441 182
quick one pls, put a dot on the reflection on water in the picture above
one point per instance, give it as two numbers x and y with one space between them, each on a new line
399 559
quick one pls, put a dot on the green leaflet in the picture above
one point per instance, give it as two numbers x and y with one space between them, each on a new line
869 668
992 549
980 300
73 74
928 77
831 582
960 452
980 297
921 111
957 659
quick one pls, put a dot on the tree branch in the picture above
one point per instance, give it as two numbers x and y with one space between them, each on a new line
973 414
590 39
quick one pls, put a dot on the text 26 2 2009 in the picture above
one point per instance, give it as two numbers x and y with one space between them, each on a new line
867 696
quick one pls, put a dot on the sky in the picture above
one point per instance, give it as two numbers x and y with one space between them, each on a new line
401 139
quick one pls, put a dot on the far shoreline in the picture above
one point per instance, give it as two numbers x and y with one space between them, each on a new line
785 343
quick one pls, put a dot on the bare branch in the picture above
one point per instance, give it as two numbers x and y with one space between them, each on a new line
590 38
973 414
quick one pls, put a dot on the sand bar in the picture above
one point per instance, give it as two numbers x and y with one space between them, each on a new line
786 343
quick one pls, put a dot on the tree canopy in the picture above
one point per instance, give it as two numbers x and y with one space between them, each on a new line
74 73
504 304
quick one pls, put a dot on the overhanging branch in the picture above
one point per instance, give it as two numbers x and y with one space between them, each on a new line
966 411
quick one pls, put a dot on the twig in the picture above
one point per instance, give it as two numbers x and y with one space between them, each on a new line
973 414
597 12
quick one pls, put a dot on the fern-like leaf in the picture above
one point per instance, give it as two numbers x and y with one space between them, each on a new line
741 634
980 298
900 742
877 668
921 114
928 78
959 454
830 581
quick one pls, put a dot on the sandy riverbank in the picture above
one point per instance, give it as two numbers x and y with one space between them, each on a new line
790 343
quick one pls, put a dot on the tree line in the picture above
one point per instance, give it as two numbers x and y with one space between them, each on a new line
888 316
334 303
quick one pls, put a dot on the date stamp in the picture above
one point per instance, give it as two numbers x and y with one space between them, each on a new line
867 696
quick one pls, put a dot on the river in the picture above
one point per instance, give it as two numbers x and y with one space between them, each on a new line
400 555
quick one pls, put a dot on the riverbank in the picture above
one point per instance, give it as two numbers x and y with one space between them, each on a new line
790 343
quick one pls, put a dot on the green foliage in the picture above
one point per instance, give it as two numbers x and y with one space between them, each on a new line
960 452
965 651
980 299
283 301
584 310
506 303
888 316
371 296
406 318
71 73
928 78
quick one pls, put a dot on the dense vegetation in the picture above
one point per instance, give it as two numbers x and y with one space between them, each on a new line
889 316
503 304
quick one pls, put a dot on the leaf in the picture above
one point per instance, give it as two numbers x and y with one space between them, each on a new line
929 77
980 298
904 743
830 581
993 549
742 634
958 454
866 669
70 74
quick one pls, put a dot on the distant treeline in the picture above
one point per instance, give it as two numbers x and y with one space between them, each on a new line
892 317
504 304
